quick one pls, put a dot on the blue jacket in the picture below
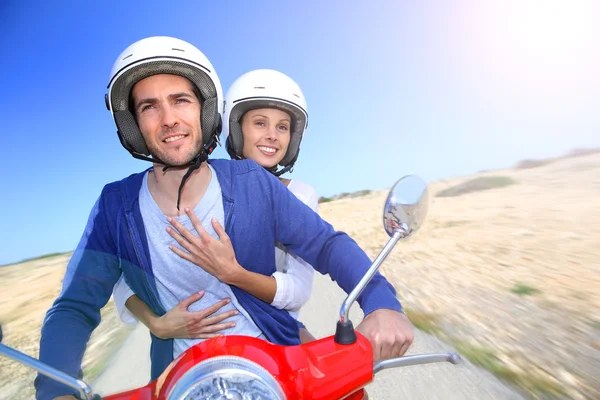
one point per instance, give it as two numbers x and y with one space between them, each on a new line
259 210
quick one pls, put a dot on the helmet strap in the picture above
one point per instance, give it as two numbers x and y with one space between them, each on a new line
282 171
193 165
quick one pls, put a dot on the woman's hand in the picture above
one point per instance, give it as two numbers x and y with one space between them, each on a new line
214 256
179 322
217 257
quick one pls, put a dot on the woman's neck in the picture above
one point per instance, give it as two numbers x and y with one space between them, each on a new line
285 181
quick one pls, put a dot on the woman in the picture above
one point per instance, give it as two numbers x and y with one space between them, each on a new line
264 120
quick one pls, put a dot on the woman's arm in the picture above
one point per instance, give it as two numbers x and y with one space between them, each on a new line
181 323
258 285
138 310
217 257
294 287
121 293
178 322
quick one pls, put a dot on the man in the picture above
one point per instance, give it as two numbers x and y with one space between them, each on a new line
166 101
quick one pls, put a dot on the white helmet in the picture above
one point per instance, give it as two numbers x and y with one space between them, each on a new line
264 88
163 55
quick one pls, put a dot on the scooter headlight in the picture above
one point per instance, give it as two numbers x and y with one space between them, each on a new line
227 377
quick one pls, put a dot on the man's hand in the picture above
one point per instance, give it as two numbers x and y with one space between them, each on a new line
203 324
216 257
390 333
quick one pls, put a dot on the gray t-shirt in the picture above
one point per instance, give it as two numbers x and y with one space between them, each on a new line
176 278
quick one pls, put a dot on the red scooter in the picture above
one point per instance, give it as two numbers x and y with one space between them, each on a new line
247 368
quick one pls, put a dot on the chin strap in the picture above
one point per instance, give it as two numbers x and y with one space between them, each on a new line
192 166
282 171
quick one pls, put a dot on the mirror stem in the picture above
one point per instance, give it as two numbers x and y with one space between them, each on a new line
398 234
84 390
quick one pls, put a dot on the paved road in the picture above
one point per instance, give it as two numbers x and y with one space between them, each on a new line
130 367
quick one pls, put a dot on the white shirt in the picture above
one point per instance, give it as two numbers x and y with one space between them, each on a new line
294 276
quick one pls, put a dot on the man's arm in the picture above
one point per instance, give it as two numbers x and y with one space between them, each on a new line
90 277
330 252
335 253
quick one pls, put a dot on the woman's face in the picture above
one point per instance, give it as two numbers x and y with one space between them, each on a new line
266 134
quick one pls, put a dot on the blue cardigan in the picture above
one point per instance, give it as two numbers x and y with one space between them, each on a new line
259 210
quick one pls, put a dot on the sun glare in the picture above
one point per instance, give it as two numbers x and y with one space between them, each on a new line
532 48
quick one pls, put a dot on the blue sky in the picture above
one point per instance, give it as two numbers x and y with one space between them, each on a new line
434 88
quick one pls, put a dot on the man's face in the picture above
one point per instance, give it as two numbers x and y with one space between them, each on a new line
168 114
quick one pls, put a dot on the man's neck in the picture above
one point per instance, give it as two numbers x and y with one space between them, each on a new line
164 188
